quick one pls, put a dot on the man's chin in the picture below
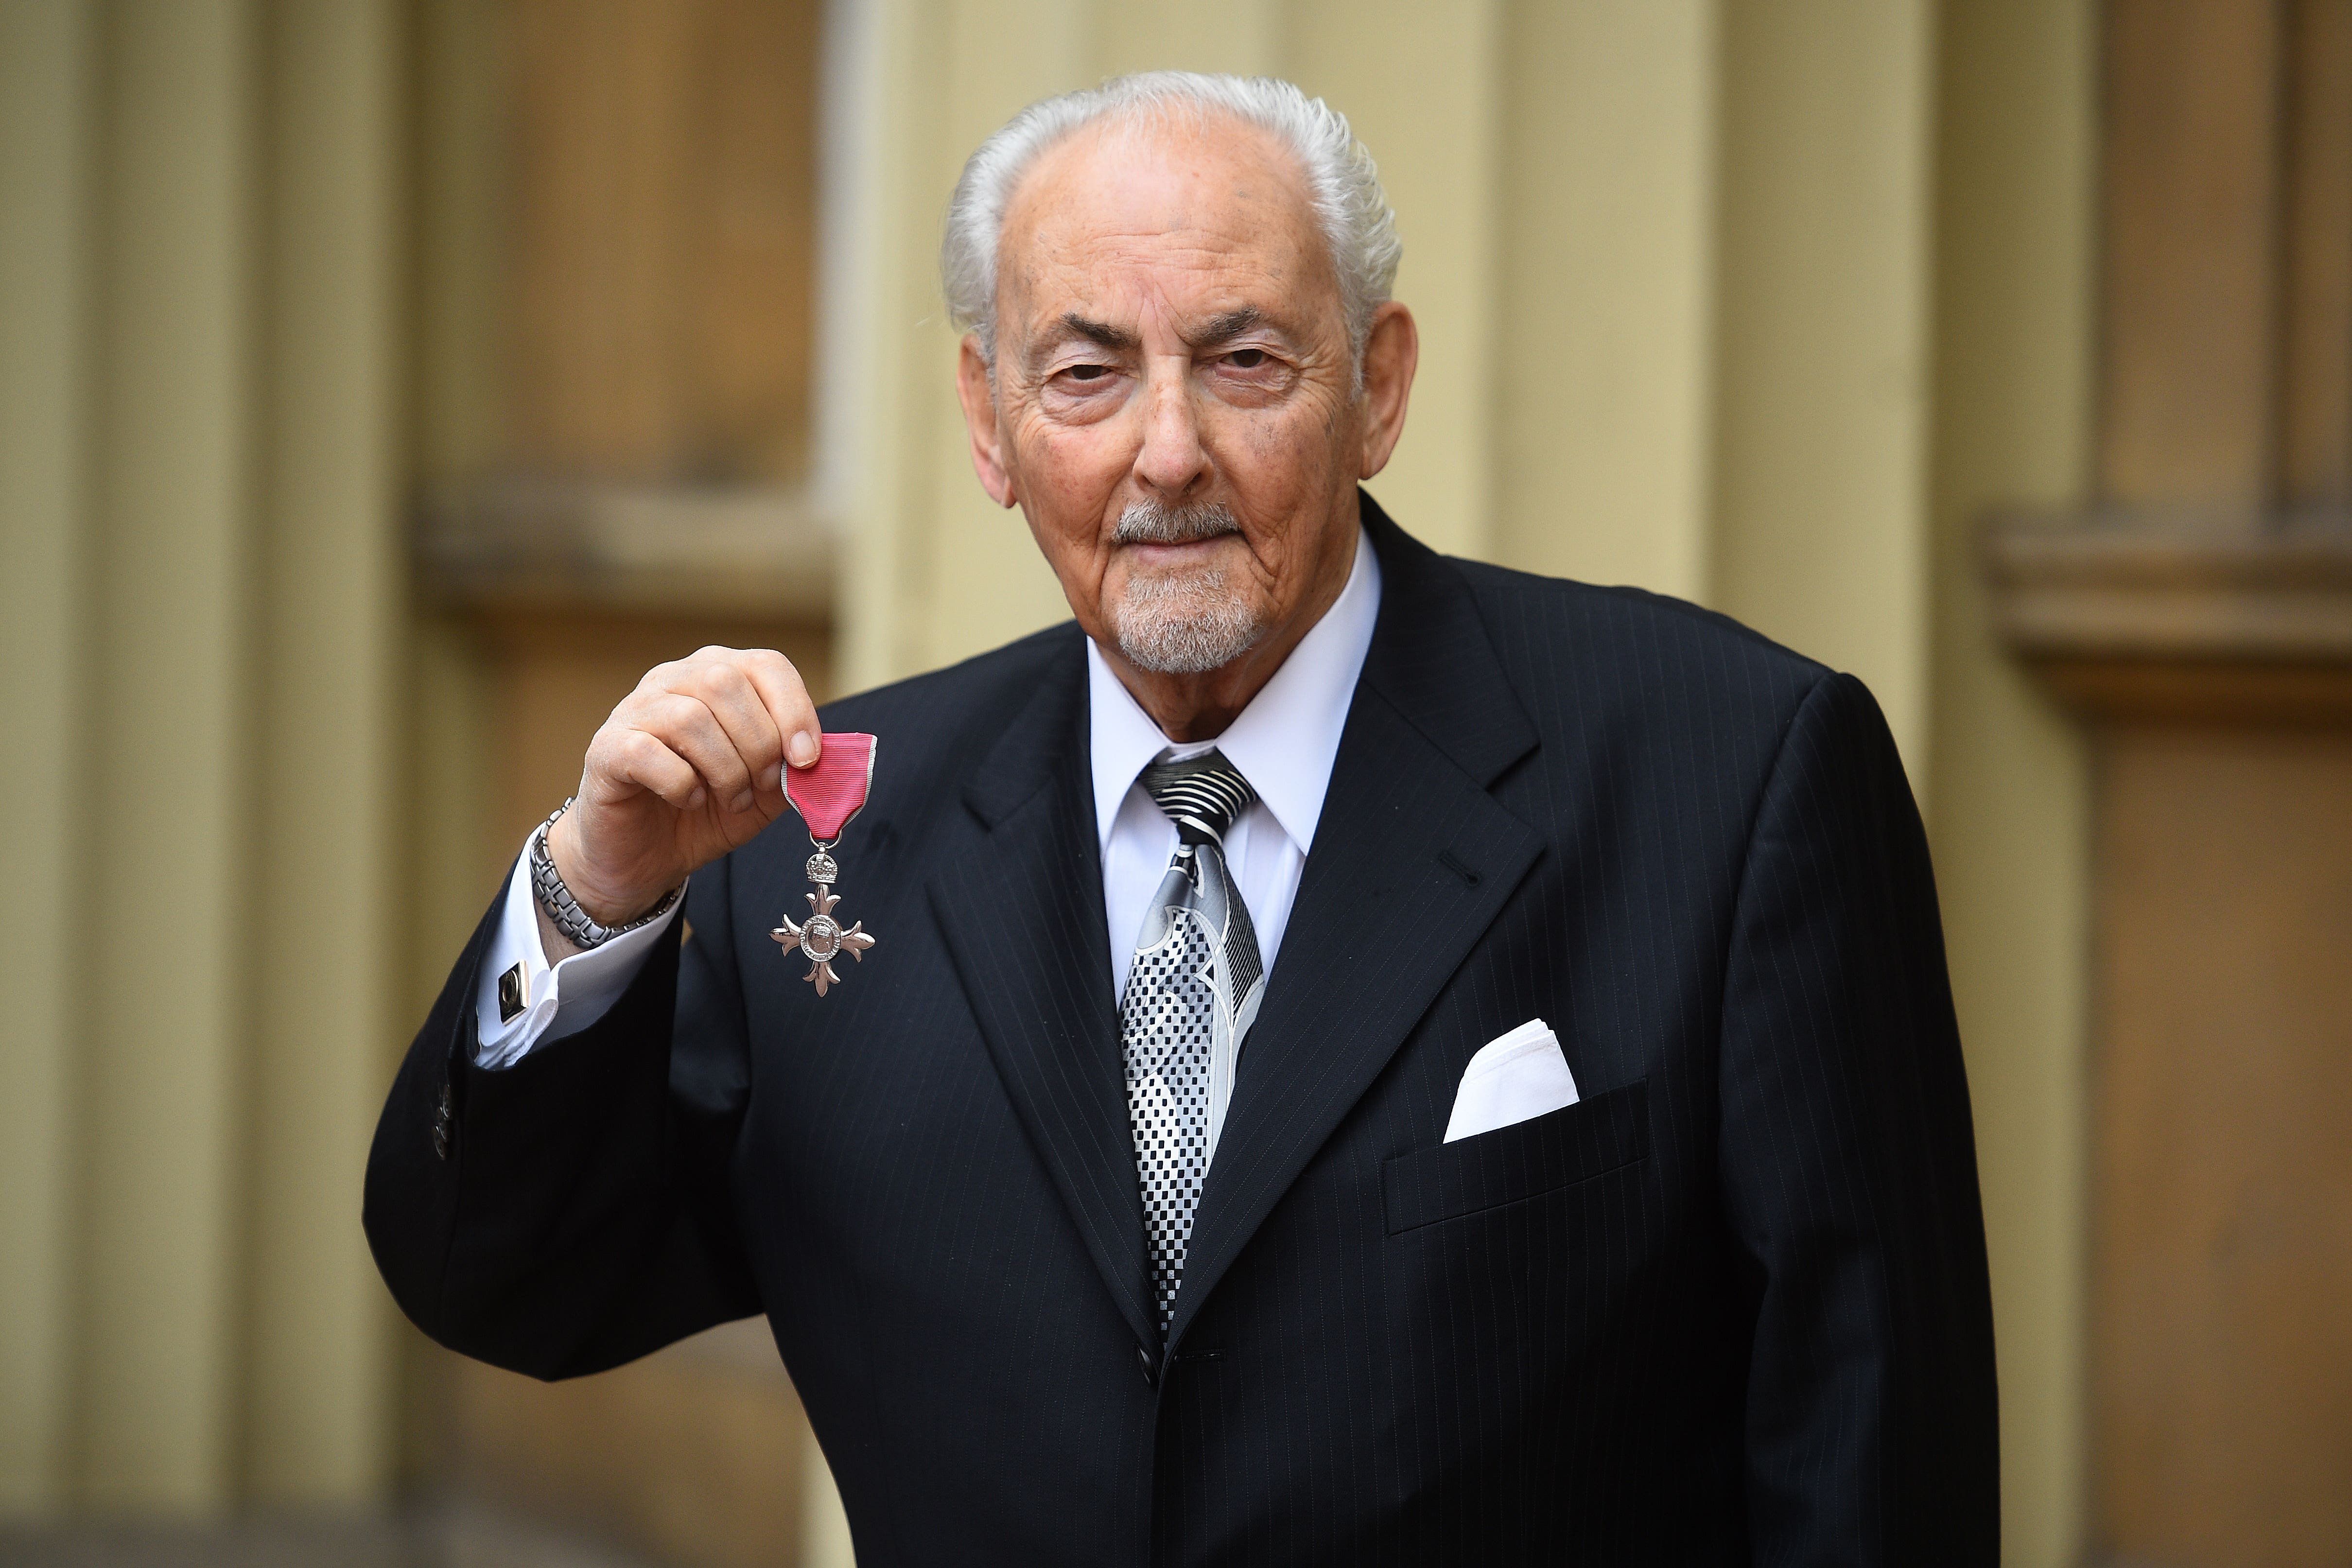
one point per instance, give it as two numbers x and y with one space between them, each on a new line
1170 626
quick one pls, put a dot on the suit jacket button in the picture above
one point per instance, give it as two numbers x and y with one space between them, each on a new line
442 1124
1151 1368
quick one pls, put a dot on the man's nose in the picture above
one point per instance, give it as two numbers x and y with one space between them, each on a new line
1172 461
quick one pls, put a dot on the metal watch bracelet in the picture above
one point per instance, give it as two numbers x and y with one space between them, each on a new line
563 910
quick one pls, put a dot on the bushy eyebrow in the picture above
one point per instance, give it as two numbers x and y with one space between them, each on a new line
1220 329
1225 329
1101 333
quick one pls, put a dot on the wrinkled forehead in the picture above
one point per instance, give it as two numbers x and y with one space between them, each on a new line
1166 211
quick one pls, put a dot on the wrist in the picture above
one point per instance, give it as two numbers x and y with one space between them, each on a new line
604 904
578 923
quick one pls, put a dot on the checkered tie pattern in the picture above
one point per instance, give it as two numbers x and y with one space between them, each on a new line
1191 994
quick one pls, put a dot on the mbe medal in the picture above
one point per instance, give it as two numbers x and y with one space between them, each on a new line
827 795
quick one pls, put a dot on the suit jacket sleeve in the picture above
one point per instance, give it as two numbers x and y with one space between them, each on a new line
572 1212
1849 1170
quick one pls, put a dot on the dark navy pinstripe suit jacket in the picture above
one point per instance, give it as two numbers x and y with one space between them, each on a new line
1730 1308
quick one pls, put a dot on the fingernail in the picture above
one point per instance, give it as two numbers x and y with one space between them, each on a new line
694 802
803 749
742 802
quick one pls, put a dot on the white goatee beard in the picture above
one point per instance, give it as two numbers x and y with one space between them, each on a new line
1183 622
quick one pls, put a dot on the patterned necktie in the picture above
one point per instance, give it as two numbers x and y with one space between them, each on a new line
1192 993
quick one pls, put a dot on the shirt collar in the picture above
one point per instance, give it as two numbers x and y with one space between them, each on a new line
1284 742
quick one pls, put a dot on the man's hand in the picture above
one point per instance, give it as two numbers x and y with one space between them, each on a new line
688 766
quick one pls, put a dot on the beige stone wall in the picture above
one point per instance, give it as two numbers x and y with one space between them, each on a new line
203 611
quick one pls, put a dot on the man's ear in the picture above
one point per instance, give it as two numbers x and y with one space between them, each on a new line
1392 354
978 397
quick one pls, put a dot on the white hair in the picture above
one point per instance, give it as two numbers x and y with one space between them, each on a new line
1343 182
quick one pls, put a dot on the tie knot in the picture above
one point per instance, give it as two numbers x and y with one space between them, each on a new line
1202 794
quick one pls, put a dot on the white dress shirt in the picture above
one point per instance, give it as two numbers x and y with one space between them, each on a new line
1284 742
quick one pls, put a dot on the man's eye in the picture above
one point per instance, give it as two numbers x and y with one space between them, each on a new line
1087 372
1246 359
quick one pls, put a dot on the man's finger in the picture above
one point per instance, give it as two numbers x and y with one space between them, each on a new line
787 699
641 759
722 687
687 727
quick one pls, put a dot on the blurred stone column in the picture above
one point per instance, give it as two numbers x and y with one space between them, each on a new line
1604 348
1822 419
1422 87
46 54
168 856
327 903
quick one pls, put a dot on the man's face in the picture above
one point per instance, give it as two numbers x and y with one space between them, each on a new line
1173 404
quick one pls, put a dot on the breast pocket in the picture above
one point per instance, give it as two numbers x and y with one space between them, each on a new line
1524 1160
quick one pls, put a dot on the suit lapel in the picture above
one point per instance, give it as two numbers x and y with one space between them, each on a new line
1412 861
1021 908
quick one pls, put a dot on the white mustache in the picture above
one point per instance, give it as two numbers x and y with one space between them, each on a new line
1155 522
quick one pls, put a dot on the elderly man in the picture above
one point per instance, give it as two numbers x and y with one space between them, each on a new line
1368 1058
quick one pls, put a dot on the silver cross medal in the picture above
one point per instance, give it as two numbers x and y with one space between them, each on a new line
820 938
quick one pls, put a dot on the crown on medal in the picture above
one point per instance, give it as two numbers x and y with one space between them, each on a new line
822 869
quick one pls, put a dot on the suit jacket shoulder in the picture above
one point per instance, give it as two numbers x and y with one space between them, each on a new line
1662 646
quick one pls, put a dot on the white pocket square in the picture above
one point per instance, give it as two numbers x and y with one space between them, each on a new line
1516 1077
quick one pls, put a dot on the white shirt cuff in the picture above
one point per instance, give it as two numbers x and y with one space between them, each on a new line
557 1001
